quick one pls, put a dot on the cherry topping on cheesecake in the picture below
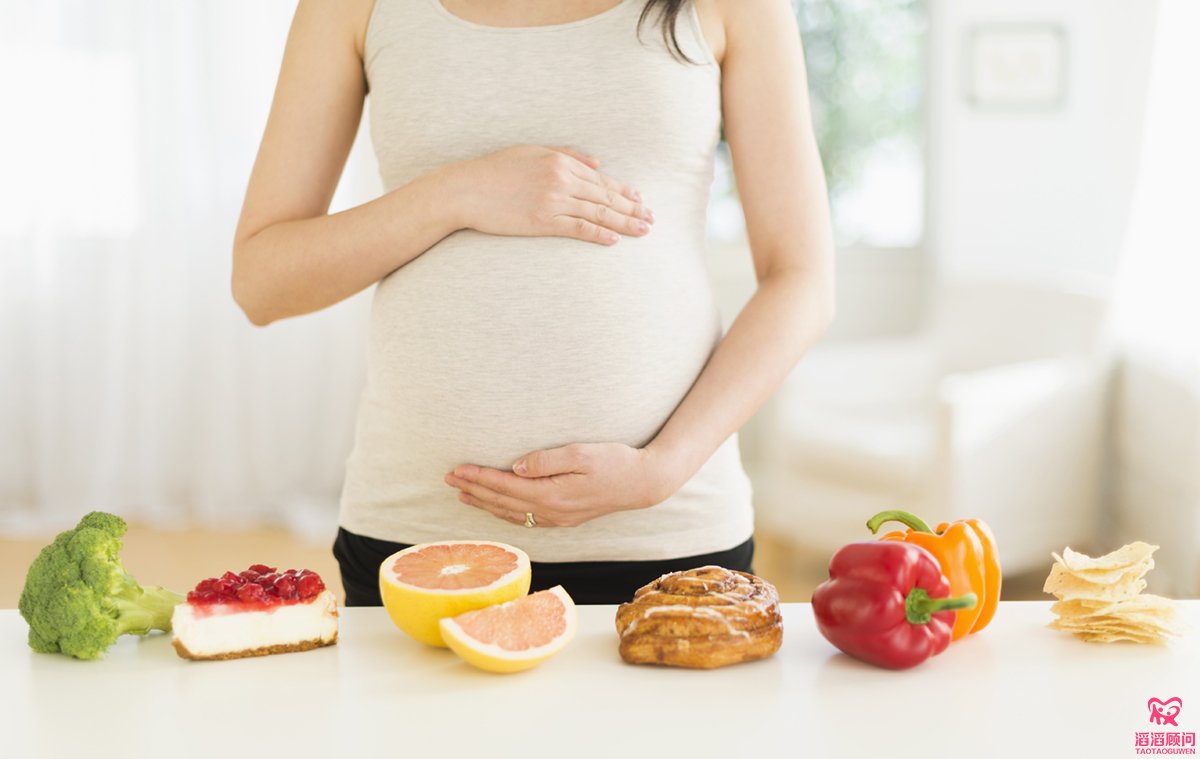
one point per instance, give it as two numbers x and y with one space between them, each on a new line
258 587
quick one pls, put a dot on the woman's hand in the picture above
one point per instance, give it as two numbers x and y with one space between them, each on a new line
530 191
565 487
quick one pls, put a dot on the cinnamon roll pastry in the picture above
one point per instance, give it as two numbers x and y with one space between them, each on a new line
702 618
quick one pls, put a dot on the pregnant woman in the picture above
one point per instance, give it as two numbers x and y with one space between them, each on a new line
546 366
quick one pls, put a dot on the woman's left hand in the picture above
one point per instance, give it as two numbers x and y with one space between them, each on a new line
565 487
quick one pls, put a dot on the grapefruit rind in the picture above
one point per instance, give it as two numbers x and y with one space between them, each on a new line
417 610
493 658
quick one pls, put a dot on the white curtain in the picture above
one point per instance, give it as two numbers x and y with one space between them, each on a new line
1156 419
1157 308
129 380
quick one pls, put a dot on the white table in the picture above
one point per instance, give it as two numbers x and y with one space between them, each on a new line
1016 689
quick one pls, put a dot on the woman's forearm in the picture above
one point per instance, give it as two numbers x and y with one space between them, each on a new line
788 312
297 267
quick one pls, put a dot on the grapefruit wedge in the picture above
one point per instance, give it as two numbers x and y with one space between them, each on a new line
516 635
427 582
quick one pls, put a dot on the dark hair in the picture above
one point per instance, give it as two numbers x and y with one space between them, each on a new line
668 13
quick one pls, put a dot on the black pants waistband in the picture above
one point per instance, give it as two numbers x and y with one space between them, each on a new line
588 582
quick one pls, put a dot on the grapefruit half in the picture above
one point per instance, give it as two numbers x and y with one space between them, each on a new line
427 582
516 635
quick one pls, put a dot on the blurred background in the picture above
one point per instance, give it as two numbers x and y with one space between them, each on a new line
1014 189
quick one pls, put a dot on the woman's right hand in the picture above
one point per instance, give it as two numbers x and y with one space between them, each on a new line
533 191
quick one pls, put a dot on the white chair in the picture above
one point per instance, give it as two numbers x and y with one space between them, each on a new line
995 411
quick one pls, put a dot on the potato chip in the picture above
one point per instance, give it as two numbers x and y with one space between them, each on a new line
1082 629
1146 603
1066 587
1114 637
1111 622
1112 576
1111 568
1100 600
1125 556
1080 607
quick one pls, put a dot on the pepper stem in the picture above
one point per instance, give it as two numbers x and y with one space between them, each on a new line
911 521
920 608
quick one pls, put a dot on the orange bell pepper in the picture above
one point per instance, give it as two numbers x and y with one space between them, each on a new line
966 551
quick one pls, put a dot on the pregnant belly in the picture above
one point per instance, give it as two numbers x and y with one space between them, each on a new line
487 347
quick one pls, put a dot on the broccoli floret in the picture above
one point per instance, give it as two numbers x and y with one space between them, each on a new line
78 598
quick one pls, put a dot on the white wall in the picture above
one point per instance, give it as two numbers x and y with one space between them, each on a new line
1040 195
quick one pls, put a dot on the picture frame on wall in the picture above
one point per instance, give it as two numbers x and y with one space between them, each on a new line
1016 67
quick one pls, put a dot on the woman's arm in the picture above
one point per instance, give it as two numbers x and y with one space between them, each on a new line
291 257
782 188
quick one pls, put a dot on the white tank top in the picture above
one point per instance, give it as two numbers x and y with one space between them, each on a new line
487 347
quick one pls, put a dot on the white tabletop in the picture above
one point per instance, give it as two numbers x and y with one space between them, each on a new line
1018 687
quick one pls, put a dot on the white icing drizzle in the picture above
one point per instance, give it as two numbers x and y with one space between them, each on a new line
729 598
683 610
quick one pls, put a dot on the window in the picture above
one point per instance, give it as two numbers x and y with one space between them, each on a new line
866 79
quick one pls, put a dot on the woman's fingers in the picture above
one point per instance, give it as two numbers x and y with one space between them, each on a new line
610 198
596 211
499 504
568 459
606 182
521 190
496 511
601 180
591 161
604 216
565 225
495 502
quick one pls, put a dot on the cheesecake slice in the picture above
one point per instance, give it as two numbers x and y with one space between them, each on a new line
255 612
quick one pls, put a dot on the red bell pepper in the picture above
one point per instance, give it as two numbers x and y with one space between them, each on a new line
887 603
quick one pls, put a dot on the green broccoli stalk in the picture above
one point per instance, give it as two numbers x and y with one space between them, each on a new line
78 598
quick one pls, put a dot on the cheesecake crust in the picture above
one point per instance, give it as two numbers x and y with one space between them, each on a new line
304 645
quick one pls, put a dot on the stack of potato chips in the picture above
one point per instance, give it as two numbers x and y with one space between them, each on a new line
1100 600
